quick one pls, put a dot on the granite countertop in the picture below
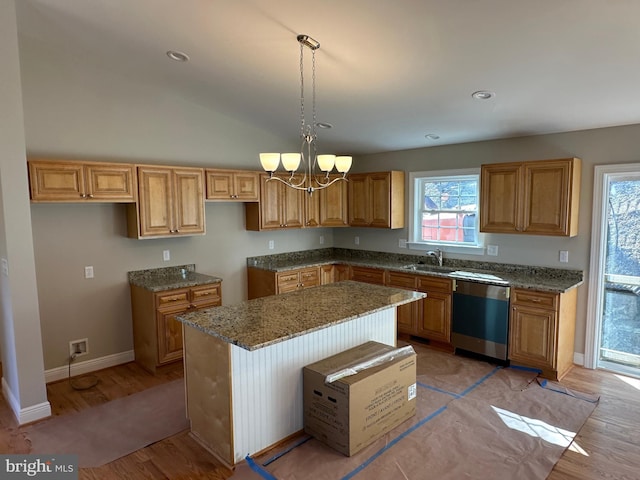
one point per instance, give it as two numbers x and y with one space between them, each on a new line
521 276
170 278
264 321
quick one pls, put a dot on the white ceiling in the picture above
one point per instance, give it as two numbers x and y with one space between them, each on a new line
388 72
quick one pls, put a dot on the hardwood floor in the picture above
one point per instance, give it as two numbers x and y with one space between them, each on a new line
610 439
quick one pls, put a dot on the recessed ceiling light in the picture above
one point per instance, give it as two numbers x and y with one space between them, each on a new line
323 125
432 136
178 56
483 95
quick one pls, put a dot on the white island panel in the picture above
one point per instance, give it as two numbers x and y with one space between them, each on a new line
267 383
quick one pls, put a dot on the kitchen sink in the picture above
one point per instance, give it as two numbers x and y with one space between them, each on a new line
424 267
477 276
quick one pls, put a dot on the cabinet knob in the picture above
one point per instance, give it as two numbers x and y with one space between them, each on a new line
83 195
90 195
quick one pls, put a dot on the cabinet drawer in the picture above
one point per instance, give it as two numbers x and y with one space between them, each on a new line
176 297
402 280
310 277
429 284
288 277
368 275
534 298
206 295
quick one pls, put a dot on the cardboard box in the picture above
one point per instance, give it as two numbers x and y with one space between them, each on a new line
355 410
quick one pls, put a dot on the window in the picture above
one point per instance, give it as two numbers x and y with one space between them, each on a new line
445 209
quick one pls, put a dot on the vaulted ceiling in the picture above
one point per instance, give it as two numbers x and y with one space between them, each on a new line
388 73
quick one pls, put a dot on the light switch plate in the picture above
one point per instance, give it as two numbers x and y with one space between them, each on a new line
88 271
402 243
564 256
492 250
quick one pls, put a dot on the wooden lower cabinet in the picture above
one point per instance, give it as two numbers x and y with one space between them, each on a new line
263 282
434 319
157 335
542 330
368 275
407 315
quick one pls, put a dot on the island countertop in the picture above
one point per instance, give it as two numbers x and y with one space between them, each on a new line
264 321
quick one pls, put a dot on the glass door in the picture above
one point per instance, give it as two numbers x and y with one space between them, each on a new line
617 335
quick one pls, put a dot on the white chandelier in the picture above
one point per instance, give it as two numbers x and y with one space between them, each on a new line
309 180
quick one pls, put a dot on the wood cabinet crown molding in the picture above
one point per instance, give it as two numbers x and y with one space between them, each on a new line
59 180
534 198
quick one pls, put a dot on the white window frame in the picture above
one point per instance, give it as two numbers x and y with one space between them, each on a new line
415 204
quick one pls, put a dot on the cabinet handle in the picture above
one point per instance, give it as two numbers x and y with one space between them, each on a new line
83 195
90 195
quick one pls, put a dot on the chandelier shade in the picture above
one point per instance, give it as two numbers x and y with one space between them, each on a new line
316 169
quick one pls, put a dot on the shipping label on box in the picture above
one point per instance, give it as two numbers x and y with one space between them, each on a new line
354 411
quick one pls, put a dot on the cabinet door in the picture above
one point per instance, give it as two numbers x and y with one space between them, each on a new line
532 336
341 273
219 185
435 317
380 202
156 201
246 186
112 183
359 195
546 197
56 181
271 211
407 315
169 332
293 202
500 198
189 201
327 273
333 205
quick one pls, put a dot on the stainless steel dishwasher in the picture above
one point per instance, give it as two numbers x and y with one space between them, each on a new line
480 321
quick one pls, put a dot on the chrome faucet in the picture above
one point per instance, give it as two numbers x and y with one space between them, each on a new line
437 254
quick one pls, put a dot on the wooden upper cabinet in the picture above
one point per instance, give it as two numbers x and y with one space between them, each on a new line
535 198
75 181
376 199
333 205
233 185
171 202
280 207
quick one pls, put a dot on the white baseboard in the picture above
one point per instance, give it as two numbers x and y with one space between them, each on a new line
80 368
28 414
578 358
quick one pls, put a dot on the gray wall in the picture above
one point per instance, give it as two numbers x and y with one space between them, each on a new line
20 349
76 109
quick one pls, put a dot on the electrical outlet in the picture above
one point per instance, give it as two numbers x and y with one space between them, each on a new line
88 271
166 255
78 348
272 244
492 250
321 239
5 267
564 256
402 243
356 240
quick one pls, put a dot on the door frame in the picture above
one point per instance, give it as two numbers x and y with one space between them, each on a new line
602 175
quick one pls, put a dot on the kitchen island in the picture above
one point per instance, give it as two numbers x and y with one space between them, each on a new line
243 362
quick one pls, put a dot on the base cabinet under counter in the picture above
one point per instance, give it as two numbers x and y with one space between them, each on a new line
157 335
542 330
